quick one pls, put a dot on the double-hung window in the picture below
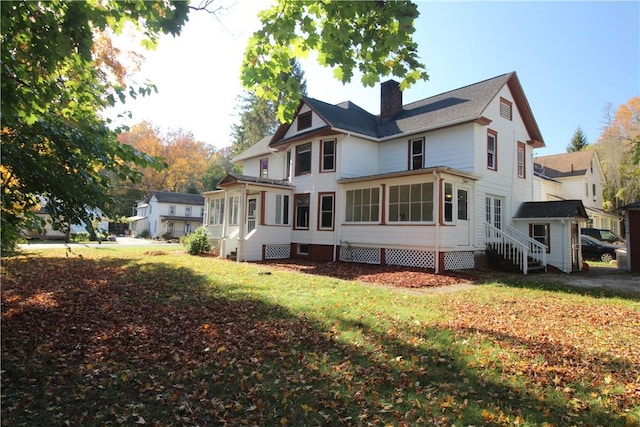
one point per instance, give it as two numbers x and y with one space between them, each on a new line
282 209
492 150
521 160
187 211
264 168
301 208
303 159
328 155
325 211
416 154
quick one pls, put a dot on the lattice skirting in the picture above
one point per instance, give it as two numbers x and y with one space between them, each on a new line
277 251
410 258
362 255
458 260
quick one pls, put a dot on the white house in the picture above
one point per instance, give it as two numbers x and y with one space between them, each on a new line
167 214
432 183
577 175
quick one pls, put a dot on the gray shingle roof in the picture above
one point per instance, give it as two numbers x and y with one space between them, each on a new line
565 164
178 198
258 149
552 209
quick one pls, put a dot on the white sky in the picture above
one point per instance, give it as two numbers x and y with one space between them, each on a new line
572 59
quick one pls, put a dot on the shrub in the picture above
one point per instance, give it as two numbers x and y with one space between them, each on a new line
144 234
197 242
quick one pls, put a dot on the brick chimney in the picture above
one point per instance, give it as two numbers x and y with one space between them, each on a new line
390 99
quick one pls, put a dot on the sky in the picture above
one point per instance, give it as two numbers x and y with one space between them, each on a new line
573 59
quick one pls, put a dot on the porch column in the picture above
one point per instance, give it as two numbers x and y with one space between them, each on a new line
242 223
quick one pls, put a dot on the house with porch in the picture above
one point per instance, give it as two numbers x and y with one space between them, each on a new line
434 183
575 176
167 214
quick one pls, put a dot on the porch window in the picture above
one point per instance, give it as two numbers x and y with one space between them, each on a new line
303 159
416 154
282 209
492 150
463 204
328 155
541 233
216 211
521 161
234 207
448 202
264 168
325 208
363 205
301 208
411 203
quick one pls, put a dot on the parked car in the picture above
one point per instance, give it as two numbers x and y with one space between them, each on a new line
594 249
601 234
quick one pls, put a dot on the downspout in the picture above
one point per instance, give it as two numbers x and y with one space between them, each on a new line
337 231
437 217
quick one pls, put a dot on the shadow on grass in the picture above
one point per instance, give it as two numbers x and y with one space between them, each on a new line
114 341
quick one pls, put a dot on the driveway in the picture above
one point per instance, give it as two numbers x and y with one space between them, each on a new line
605 278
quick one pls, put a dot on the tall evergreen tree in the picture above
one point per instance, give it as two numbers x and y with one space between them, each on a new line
578 141
258 117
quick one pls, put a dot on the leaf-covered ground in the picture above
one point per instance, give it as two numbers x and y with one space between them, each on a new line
127 338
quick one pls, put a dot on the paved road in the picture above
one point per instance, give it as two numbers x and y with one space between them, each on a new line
126 241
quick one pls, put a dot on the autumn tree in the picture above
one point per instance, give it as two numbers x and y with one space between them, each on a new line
578 141
185 158
258 116
219 165
616 148
55 142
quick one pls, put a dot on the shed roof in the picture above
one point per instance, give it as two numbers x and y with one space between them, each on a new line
555 209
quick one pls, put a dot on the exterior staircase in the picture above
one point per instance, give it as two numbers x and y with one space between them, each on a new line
509 249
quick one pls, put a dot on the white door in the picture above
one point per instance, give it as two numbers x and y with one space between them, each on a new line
251 214
463 217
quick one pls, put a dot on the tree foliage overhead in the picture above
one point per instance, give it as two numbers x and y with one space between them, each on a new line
372 38
616 147
258 116
578 141
54 142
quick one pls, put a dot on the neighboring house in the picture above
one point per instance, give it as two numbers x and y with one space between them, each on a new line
578 176
167 214
100 225
429 184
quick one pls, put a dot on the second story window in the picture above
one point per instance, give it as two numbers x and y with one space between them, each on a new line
264 168
303 159
492 150
288 165
304 120
521 160
187 211
416 154
172 210
328 153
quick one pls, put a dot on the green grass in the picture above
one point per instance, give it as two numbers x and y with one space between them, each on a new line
116 335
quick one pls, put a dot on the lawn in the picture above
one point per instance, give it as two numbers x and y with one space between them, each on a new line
132 336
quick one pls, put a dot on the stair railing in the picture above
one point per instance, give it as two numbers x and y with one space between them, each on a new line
515 246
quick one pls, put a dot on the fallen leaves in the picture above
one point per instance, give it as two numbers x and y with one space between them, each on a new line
120 341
